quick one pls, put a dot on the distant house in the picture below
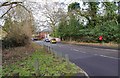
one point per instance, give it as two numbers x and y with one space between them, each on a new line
44 33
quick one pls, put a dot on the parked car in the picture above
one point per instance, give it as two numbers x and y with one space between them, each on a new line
53 41
34 39
47 40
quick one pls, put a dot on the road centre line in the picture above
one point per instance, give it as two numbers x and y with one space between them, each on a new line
106 56
99 55
83 52
78 50
109 57
96 54
105 49
75 50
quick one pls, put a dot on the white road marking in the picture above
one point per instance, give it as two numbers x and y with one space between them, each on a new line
98 55
109 57
75 50
78 50
83 52
106 49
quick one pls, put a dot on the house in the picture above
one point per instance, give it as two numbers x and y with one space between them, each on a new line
44 34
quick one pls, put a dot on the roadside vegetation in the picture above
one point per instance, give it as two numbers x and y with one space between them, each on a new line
109 45
38 63
82 25
0 71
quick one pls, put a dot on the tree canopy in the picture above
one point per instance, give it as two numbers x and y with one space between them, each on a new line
105 23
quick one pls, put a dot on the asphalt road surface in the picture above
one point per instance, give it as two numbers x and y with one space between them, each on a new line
94 61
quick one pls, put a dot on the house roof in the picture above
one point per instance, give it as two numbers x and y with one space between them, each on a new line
46 30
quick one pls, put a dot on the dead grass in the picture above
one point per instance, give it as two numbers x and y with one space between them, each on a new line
19 53
96 44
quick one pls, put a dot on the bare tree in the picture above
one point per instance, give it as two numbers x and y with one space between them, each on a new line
21 17
11 6
54 13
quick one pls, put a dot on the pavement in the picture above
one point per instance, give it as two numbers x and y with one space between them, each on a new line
95 61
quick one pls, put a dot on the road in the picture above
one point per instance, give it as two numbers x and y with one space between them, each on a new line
94 61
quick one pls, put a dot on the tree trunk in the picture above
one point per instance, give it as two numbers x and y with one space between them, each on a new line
70 38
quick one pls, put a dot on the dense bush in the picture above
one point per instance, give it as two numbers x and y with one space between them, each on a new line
109 30
17 34
15 37
13 41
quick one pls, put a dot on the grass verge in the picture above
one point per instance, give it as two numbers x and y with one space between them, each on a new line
47 64
112 45
0 71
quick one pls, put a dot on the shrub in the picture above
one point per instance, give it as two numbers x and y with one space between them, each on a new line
109 31
13 41
18 33
15 37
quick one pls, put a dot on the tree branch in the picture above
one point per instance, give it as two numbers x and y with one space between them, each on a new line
6 12
7 3
24 8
